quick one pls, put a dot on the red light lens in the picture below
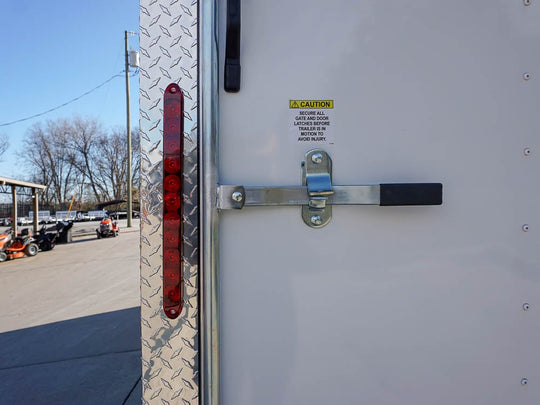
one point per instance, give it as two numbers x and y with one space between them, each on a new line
173 145
172 183
172 164
172 201
171 239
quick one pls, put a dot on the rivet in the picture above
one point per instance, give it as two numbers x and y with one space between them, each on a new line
527 151
525 228
316 220
173 311
317 158
526 76
524 381
527 2
173 90
237 196
526 306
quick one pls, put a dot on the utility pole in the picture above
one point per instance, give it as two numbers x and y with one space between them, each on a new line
129 191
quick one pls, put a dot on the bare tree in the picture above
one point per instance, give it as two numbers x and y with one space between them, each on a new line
77 156
46 153
112 164
4 144
83 142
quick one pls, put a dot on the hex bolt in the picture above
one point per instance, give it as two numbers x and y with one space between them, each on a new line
525 228
317 158
524 381
526 306
526 76
527 2
237 196
527 151
316 220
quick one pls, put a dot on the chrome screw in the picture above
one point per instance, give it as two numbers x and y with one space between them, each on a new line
524 381
526 76
527 2
317 158
316 220
237 196
527 151
526 306
525 228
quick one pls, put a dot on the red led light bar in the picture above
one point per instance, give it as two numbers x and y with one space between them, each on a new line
173 149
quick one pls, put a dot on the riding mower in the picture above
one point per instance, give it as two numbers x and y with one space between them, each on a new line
107 227
13 248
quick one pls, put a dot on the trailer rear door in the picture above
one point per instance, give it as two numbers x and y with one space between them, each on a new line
383 305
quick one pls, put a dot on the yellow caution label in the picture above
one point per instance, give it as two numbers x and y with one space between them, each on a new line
314 104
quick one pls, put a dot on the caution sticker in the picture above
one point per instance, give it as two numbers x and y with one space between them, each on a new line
311 121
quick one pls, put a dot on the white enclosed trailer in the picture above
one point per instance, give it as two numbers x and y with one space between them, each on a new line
269 272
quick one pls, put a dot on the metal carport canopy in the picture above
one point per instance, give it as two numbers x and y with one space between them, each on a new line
4 181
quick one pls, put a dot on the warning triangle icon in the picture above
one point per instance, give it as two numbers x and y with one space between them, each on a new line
294 104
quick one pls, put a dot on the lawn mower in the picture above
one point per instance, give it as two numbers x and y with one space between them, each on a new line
107 227
13 248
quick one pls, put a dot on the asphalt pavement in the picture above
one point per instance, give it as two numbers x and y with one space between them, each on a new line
69 322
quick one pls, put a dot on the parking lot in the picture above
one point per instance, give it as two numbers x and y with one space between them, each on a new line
69 322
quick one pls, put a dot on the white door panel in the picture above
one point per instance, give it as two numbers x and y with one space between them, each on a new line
385 305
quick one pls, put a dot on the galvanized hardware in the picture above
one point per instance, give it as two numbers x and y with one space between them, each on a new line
527 151
526 76
317 158
295 195
317 176
526 306
316 220
524 381
237 196
525 228
317 194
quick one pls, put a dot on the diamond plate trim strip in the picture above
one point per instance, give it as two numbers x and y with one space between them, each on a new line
170 348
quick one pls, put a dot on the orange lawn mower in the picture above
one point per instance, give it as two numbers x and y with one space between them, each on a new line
13 248
107 227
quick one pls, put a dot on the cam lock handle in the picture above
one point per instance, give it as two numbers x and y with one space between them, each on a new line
410 194
317 194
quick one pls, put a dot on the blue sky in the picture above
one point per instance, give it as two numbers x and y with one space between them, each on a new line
56 50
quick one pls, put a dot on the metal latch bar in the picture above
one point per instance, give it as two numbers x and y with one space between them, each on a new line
293 196
317 194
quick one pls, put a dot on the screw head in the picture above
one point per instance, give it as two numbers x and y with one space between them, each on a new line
527 151
524 381
526 306
526 76
173 90
237 196
317 158
316 220
527 2
173 311
525 228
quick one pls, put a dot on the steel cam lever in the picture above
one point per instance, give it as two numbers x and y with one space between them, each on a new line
317 194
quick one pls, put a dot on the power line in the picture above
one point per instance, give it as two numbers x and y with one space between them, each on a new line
67 102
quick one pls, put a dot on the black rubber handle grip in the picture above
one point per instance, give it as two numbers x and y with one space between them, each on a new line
232 48
411 194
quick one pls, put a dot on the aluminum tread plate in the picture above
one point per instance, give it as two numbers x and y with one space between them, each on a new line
170 348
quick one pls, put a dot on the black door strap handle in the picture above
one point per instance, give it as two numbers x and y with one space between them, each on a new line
411 194
232 47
